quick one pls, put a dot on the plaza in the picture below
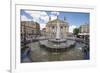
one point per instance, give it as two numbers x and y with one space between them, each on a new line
54 42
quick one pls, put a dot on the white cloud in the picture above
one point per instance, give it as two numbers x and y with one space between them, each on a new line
55 13
53 17
43 13
39 15
42 26
45 18
71 28
24 18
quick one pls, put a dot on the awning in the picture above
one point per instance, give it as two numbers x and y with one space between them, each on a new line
83 34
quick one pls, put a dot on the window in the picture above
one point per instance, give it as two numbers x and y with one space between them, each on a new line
61 27
52 27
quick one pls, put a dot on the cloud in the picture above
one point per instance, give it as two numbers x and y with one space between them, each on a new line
25 18
54 15
42 26
39 16
45 19
71 28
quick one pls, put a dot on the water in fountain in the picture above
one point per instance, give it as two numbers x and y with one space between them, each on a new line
58 32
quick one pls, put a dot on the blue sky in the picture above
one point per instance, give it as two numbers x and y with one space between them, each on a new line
75 19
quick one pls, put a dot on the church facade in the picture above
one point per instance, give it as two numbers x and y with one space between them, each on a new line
51 28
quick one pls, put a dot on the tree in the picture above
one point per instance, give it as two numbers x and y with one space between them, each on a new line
76 31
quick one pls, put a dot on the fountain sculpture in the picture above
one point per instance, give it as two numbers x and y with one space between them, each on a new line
57 43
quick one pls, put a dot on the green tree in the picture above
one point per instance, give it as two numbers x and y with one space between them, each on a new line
76 31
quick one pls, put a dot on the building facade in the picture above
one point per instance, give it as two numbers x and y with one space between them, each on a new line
51 28
84 28
29 30
84 31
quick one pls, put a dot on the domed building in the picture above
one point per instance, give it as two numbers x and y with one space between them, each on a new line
52 26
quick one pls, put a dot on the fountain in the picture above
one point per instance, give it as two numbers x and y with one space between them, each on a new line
58 32
57 43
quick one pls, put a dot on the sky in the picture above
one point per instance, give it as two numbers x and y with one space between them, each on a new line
74 19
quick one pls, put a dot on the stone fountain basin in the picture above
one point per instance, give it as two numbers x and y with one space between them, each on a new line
57 40
52 46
